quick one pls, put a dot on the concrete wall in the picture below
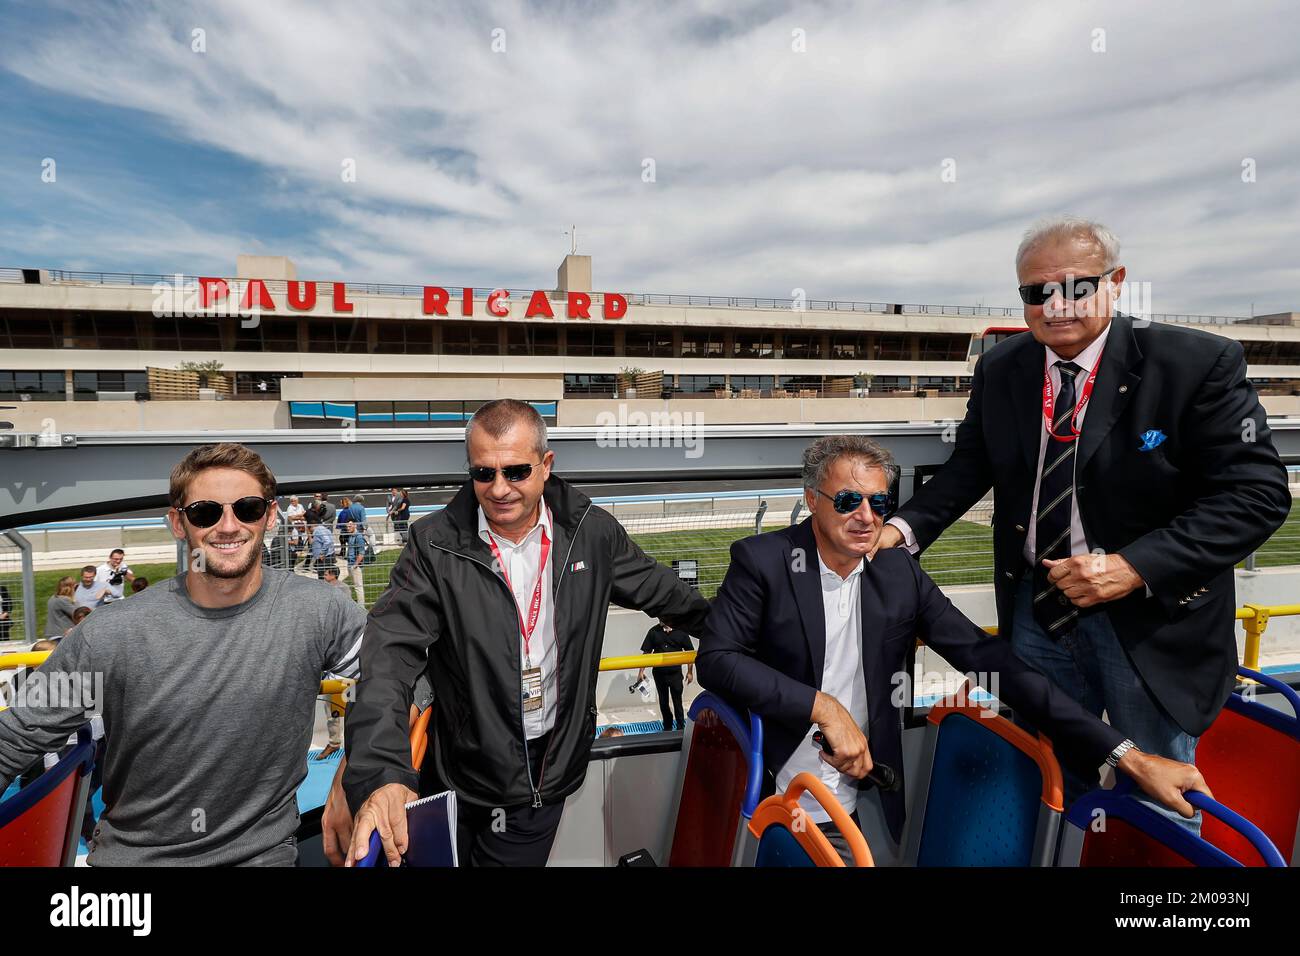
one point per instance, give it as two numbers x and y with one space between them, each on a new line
444 388
758 411
77 417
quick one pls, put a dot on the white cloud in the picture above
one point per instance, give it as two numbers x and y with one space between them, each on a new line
775 169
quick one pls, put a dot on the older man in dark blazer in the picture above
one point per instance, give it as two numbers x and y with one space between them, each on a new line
808 633
1132 467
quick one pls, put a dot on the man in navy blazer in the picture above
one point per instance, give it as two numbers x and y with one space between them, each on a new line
1119 515
809 630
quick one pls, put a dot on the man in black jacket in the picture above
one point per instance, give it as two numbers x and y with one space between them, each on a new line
808 633
1132 466
502 597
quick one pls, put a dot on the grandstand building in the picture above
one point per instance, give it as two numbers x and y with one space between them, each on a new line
101 352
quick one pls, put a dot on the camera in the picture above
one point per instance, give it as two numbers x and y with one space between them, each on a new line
117 579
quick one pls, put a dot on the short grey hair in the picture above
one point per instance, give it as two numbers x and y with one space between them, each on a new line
824 452
499 416
1070 227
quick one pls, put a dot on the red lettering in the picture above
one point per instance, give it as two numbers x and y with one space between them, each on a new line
615 306
494 298
302 295
466 301
579 305
256 289
212 291
435 300
341 303
539 304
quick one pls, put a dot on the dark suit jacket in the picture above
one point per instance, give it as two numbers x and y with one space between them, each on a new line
763 647
1182 514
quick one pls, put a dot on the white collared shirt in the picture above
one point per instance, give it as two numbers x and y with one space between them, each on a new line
842 678
520 562
1085 360
1078 540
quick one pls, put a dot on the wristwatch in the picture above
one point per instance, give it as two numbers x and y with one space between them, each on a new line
1118 753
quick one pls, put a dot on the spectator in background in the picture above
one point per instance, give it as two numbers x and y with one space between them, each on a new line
59 608
399 512
114 572
356 556
79 615
322 549
6 613
89 593
295 513
663 639
331 577
341 519
325 509
139 584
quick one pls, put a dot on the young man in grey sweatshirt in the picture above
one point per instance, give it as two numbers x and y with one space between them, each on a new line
207 685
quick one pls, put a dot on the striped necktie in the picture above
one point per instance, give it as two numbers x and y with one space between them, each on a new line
1052 609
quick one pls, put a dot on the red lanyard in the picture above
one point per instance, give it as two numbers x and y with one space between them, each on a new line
1078 408
526 627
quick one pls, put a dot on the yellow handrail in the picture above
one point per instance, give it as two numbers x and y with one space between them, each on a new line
1254 619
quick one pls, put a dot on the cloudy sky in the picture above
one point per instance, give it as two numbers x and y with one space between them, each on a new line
741 148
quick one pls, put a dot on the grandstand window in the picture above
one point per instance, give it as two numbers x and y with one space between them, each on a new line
404 338
582 385
802 345
648 343
532 340
261 384
794 384
594 342
32 386
895 348
751 343
199 335
944 348
848 345
269 335
86 385
164 335
464 338
701 384
943 383
753 383
702 343
22 329
891 383
1272 353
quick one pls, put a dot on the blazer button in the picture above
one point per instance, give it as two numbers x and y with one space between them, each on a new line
1008 574
1020 528
1123 389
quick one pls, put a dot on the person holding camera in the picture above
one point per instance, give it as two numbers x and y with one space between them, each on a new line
113 574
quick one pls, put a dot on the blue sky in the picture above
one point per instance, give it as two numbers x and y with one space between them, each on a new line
794 146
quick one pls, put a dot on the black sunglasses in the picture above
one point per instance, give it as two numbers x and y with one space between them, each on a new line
204 514
483 474
1072 288
846 502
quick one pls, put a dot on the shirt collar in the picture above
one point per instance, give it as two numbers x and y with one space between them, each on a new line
544 521
1088 357
852 574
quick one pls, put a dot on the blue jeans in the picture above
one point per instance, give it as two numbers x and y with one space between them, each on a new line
1092 666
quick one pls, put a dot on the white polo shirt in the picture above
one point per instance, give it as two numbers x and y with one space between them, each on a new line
843 678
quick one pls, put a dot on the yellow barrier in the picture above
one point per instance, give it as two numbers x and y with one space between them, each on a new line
1254 618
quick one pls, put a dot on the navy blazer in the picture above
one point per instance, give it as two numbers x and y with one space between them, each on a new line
763 647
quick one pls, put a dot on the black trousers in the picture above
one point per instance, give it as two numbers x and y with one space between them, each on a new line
509 836
668 682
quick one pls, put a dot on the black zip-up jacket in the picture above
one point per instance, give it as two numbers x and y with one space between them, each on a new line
447 610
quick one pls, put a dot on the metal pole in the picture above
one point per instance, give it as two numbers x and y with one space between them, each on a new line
794 514
758 517
29 584
1250 561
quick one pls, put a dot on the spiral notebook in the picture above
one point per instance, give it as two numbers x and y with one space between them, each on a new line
430 831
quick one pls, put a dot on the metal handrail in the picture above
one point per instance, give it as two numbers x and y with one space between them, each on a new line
14 274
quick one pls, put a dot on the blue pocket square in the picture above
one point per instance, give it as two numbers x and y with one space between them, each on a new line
1151 438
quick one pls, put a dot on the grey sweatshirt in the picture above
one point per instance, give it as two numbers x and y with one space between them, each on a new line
208 715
